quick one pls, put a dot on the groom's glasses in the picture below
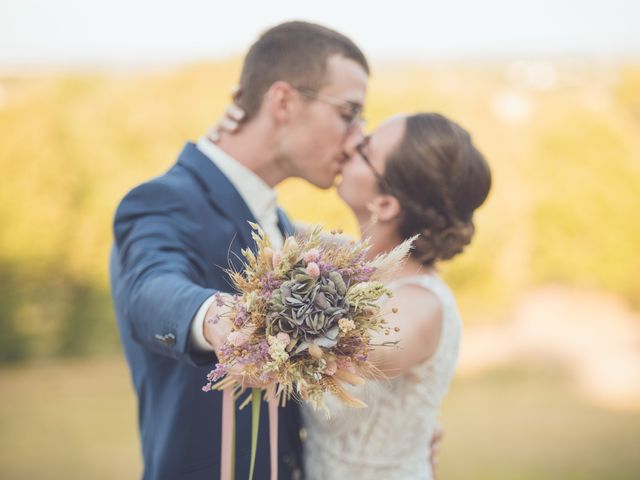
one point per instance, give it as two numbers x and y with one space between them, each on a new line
351 112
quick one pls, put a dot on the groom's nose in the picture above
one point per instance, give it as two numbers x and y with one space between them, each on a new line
354 139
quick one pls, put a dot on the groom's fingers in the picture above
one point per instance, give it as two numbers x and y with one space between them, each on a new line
217 325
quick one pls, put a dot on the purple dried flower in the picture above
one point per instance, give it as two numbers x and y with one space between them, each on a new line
363 274
269 284
241 315
256 353
266 377
326 266
226 350
217 373
219 300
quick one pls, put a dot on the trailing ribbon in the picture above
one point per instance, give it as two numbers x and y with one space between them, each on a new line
273 431
227 462
227 451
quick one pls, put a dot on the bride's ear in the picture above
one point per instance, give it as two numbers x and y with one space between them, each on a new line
385 208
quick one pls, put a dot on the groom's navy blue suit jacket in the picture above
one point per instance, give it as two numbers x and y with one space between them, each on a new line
174 237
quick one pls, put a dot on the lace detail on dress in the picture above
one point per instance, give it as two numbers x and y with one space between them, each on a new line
389 439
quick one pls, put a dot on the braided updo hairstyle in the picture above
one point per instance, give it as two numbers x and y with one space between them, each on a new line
439 178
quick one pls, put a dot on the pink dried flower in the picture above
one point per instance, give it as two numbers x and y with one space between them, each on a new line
312 255
283 338
344 363
313 270
331 368
277 258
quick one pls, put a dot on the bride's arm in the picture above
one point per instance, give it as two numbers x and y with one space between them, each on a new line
419 320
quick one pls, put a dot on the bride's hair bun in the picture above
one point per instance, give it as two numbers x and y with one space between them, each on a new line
439 178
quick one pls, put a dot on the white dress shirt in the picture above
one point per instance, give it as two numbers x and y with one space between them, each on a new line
262 202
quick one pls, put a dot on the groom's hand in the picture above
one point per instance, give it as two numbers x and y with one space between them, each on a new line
216 329
217 324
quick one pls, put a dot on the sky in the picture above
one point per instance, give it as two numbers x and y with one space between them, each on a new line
34 32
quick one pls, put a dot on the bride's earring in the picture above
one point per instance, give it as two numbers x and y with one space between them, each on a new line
374 214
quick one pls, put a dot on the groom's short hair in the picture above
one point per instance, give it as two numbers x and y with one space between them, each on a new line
296 52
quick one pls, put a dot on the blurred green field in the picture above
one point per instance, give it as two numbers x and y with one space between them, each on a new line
76 419
565 153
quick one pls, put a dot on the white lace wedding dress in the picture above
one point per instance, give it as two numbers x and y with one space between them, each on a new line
390 439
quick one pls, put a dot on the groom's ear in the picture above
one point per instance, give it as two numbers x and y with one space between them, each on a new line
280 102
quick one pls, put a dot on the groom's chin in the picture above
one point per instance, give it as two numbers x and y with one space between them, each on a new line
324 183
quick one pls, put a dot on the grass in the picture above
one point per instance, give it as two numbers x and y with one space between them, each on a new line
78 418
530 423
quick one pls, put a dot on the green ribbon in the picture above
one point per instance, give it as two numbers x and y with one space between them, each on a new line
255 424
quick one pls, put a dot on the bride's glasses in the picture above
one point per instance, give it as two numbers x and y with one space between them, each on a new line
385 187
351 112
362 150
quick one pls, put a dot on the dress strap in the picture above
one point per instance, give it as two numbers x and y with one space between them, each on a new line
427 281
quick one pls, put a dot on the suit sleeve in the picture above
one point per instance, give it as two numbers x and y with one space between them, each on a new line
160 286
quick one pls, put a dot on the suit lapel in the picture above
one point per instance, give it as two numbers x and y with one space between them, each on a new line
284 224
219 190
225 198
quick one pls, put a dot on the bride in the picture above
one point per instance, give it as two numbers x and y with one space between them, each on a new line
417 174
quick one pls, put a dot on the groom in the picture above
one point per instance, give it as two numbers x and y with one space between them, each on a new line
303 88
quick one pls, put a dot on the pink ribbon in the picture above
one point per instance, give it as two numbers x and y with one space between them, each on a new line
227 454
273 433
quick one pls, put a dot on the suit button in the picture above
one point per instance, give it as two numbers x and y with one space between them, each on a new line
302 433
169 339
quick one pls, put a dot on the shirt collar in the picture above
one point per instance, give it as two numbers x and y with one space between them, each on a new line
259 197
